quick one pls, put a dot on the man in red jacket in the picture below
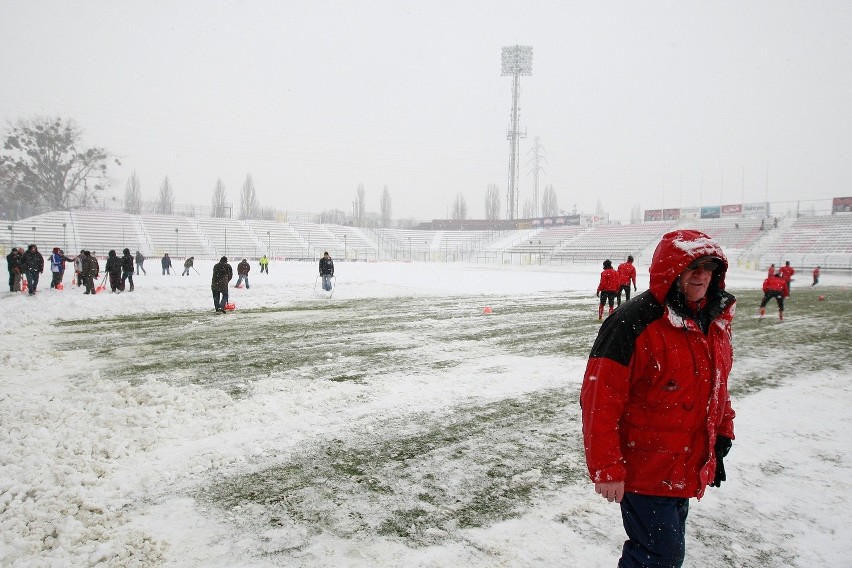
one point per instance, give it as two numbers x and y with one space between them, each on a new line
657 419
787 273
626 276
773 287
607 288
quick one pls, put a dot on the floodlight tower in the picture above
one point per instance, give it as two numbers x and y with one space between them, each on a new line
517 61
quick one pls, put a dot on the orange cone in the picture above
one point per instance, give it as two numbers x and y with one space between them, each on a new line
60 286
487 310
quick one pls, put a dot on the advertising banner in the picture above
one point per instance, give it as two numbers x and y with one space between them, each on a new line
732 210
841 205
711 212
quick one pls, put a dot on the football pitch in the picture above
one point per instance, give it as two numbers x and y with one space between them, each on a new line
389 467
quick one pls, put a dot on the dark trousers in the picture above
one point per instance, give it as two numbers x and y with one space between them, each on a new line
32 282
264 268
125 277
608 297
140 267
626 289
779 297
115 282
656 531
55 279
219 300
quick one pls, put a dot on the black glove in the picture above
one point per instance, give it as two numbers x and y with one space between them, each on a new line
721 448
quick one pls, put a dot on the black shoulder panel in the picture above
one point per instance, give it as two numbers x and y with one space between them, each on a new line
617 336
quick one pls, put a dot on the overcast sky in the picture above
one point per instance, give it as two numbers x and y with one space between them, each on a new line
632 102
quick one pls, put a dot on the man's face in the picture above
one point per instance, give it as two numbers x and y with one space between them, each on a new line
695 280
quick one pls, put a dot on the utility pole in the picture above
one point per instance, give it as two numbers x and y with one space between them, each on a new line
517 61
538 157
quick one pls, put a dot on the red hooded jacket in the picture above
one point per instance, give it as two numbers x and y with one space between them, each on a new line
774 284
627 274
609 281
655 391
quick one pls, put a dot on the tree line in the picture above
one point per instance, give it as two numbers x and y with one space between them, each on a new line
45 166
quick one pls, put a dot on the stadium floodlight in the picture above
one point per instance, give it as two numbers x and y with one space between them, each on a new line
517 61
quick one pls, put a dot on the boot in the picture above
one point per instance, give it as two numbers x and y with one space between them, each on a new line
762 312
131 287
781 315
611 309
600 312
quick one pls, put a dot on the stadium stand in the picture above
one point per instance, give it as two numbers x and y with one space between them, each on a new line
230 237
101 231
176 235
614 242
279 240
806 241
54 229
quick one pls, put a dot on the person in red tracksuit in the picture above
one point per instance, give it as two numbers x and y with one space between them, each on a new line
773 287
787 273
608 288
771 271
657 418
626 276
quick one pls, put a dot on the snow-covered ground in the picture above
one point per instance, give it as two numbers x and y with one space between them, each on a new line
392 424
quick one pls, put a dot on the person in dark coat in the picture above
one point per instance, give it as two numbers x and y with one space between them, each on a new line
657 418
222 274
89 271
113 268
607 288
140 259
326 270
243 269
187 264
126 269
32 265
13 261
166 263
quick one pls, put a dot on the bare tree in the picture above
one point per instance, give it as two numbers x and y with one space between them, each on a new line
219 197
331 216
360 204
385 208
636 213
492 202
45 158
166 199
15 202
549 204
133 195
248 200
460 207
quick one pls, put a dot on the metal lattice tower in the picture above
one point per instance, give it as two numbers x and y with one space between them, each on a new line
536 160
517 61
